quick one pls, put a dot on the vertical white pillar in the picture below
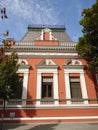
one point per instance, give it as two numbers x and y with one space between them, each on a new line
25 86
38 88
42 35
50 35
55 82
68 95
83 87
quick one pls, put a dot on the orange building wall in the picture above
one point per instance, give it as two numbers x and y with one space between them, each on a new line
46 36
61 112
43 43
61 79
53 112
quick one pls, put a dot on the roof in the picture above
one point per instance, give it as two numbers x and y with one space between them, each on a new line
28 44
34 31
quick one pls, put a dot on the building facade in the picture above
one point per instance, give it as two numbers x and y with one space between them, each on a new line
56 85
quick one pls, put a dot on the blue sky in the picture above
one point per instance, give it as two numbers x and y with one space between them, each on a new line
21 13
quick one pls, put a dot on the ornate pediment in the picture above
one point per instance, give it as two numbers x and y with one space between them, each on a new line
46 34
73 64
23 64
47 63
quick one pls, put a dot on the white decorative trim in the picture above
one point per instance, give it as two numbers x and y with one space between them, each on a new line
49 62
82 81
43 54
52 107
38 87
20 61
83 87
68 94
43 31
50 35
53 118
73 62
55 82
25 87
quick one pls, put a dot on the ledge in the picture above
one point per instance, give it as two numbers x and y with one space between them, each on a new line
24 66
73 66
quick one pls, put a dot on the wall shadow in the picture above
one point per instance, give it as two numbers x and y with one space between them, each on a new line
20 112
44 127
30 126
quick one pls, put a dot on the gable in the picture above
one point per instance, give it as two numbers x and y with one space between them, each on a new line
47 63
46 38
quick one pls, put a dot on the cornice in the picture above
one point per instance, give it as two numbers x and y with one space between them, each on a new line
47 66
24 66
73 66
41 49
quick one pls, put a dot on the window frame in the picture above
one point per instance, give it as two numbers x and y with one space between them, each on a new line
74 97
47 89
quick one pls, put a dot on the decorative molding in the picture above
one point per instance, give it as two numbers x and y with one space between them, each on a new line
43 54
24 66
53 118
73 66
55 83
67 71
22 62
51 106
73 62
47 63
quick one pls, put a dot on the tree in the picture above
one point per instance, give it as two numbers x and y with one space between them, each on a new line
88 44
9 78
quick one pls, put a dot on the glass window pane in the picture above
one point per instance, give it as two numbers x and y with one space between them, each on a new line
75 88
47 87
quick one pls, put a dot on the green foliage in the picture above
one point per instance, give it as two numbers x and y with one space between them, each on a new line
88 43
8 76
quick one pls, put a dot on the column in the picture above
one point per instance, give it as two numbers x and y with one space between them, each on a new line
67 88
38 88
55 82
25 86
83 87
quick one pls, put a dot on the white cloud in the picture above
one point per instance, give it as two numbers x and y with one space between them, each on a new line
35 11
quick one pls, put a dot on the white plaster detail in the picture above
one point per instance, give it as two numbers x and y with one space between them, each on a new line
73 62
67 85
22 61
44 54
49 62
46 30
83 87
43 31
51 37
25 84
53 118
38 88
55 86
